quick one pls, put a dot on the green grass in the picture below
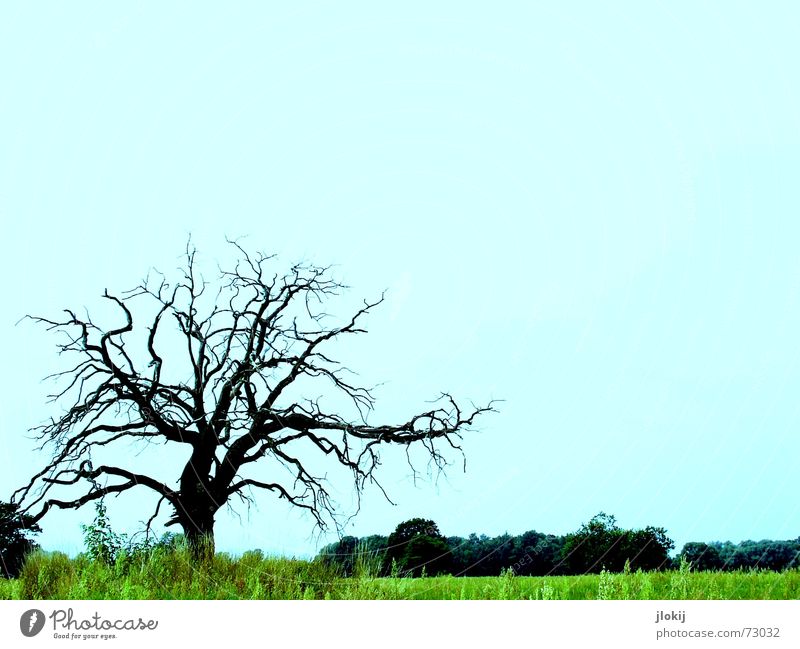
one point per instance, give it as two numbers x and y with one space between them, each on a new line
171 575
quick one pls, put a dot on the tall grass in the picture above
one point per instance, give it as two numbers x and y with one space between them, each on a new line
170 574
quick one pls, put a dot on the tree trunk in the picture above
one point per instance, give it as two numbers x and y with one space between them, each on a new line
197 520
198 505
200 537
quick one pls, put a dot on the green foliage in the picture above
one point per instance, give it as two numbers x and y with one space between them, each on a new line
598 545
601 545
370 553
417 545
418 542
169 573
426 555
606 588
15 542
115 567
701 556
110 548
769 555
352 556
341 554
102 543
680 581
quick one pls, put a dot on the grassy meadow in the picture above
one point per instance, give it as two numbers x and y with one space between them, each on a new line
171 575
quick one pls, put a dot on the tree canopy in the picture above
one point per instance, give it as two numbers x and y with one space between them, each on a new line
601 543
417 546
16 530
226 383
598 544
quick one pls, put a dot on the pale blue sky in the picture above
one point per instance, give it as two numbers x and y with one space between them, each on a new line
588 211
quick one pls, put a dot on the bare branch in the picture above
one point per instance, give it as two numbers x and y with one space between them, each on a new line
221 392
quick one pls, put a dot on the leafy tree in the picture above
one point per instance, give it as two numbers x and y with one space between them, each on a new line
779 555
374 545
496 555
416 544
646 549
770 555
602 544
536 554
351 554
726 553
342 554
531 553
701 556
16 528
466 554
549 552
588 549
249 350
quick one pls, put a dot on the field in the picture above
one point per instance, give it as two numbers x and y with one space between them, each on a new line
170 575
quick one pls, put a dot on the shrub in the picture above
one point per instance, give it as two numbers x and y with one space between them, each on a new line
15 544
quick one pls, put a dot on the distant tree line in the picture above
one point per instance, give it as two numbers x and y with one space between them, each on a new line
417 547
769 555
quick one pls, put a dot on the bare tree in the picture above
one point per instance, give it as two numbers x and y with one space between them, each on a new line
261 338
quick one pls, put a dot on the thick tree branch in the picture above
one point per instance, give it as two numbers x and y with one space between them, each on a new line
223 390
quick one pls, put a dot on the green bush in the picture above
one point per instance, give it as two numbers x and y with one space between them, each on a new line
15 543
